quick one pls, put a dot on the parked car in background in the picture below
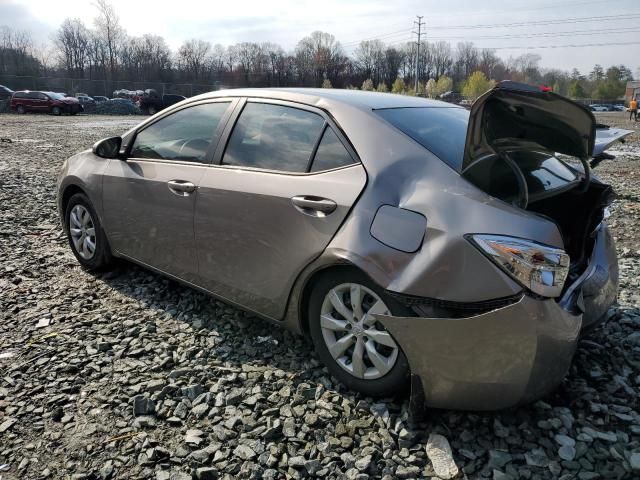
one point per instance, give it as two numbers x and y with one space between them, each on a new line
151 102
619 108
117 106
467 258
5 92
88 103
81 94
598 108
100 98
49 102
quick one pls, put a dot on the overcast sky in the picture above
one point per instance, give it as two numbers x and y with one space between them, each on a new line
559 23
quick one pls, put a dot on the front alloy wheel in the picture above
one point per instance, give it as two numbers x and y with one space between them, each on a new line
356 341
82 231
86 237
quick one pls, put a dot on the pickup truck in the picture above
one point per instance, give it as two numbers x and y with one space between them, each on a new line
151 102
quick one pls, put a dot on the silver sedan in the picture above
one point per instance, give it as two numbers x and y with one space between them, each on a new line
415 242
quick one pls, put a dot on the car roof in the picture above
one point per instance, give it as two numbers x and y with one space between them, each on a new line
312 96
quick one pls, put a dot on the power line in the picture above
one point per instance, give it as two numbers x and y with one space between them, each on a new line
562 46
504 25
528 9
379 37
545 34
605 18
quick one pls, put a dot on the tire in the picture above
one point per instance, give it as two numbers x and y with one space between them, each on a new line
20 109
92 259
375 382
151 110
56 111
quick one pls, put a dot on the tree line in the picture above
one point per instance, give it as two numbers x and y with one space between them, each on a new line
104 51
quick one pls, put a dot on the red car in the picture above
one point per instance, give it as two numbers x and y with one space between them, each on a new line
50 102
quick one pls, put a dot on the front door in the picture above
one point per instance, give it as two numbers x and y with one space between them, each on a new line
149 199
284 186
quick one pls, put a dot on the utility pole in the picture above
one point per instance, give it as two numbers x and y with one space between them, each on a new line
419 24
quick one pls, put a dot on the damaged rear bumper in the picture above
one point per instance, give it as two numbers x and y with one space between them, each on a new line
509 355
489 361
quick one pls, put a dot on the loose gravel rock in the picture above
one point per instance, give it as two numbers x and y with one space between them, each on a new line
126 374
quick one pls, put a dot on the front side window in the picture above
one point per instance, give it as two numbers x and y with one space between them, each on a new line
185 135
331 153
273 137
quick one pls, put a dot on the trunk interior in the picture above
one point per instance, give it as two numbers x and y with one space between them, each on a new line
541 183
577 214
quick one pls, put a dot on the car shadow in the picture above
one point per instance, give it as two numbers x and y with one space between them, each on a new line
242 339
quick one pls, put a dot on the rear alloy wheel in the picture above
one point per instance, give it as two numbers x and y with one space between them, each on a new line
56 110
21 110
356 348
152 110
86 238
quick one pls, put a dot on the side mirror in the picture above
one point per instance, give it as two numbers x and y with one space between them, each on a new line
108 147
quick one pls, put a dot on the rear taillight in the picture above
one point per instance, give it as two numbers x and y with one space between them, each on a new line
540 268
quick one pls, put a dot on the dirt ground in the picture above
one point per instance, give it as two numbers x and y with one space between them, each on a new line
129 375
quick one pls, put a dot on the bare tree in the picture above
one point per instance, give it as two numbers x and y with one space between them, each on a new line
17 53
72 40
442 58
192 57
320 56
109 31
369 59
393 59
467 60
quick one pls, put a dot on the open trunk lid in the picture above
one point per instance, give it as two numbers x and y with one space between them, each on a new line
515 116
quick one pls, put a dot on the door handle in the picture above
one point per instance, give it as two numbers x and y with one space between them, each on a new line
181 187
314 206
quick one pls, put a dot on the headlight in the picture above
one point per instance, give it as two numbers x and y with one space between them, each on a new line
540 268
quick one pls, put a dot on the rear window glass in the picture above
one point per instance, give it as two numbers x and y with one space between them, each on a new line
441 130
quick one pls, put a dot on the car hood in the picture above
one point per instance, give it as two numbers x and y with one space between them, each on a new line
70 100
518 116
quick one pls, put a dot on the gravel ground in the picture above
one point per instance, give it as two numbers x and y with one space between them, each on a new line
130 375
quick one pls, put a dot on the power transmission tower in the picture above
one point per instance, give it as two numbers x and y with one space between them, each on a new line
419 24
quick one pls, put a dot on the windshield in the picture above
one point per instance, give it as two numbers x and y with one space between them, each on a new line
55 96
441 130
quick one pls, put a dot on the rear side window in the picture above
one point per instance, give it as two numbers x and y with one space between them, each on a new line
441 130
331 153
273 137
19 95
185 135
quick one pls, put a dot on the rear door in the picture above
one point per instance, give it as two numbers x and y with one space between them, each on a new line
282 186
33 101
149 199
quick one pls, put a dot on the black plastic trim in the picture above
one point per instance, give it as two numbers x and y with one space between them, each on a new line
435 307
